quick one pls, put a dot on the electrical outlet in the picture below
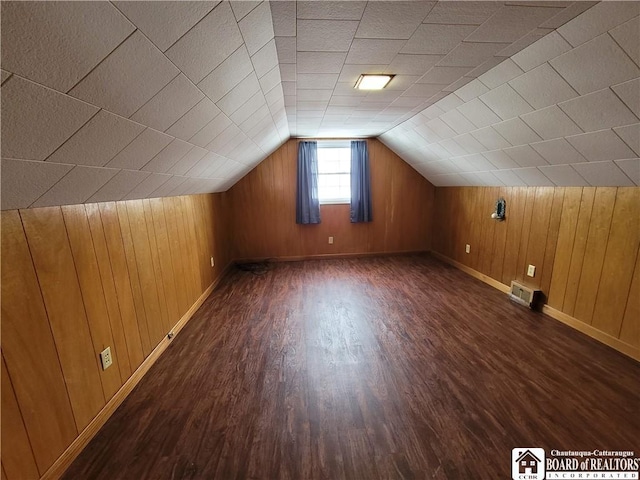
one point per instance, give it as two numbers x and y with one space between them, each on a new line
105 358
467 248
213 263
531 271
330 240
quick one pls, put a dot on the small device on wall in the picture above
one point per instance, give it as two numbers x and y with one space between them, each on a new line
500 211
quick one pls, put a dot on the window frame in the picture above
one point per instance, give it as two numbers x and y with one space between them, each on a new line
326 145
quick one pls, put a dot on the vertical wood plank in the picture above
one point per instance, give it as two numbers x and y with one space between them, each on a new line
95 306
577 252
595 248
132 313
55 269
30 352
177 256
17 456
552 240
524 235
111 298
630 330
515 219
617 273
499 242
538 233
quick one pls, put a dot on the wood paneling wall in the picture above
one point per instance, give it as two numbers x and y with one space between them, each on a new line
264 211
584 243
76 279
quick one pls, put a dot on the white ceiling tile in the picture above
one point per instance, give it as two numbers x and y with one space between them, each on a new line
488 179
522 43
424 90
461 82
4 76
510 22
189 160
548 47
473 163
289 89
469 54
271 80
459 13
40 39
516 132
288 72
490 138
499 159
248 108
410 65
194 120
76 186
148 186
441 129
506 102
36 120
597 20
169 104
204 164
436 39
98 141
471 90
218 144
443 75
330 10
551 122
119 186
600 146
283 14
606 63
392 19
227 75
24 181
373 51
564 176
631 167
555 88
127 78
450 179
316 81
325 35
165 22
168 157
558 151
257 28
449 102
509 178
320 62
238 95
454 149
631 136
211 130
629 93
265 59
598 110
603 174
567 14
501 73
525 156
457 121
286 47
142 149
483 68
627 36
407 102
241 8
207 44
427 133
470 144
479 114
314 95
533 177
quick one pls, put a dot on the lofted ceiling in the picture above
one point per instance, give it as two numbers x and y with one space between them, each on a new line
107 101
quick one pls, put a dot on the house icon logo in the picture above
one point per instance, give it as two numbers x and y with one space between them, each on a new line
527 464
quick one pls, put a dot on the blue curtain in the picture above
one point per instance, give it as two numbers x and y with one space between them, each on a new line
360 183
307 203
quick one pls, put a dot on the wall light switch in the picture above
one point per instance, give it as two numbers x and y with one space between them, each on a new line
467 248
531 271
330 240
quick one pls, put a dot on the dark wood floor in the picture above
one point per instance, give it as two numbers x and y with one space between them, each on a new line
397 367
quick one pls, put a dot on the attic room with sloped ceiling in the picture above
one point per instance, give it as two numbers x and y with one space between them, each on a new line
320 239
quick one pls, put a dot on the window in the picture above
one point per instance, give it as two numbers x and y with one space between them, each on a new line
334 172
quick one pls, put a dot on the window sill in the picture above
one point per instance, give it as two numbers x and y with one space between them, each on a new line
336 202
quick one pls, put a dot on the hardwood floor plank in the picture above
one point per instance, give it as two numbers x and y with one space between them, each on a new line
364 368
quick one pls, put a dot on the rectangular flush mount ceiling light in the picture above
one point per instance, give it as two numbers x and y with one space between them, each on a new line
372 82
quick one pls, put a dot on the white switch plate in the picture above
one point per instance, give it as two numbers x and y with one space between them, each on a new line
213 263
531 271
467 248
105 358
330 240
